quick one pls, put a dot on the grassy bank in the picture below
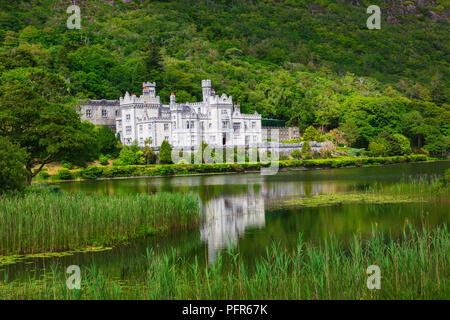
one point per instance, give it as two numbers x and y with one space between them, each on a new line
413 267
98 172
42 221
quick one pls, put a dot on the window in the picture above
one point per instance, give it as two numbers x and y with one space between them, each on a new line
187 124
209 113
253 124
224 124
174 125
224 112
88 113
199 110
149 126
104 113
202 125
210 125
128 117
128 130
192 124
140 128
246 125
117 113
166 138
166 126
192 140
141 140
128 141
237 127
119 123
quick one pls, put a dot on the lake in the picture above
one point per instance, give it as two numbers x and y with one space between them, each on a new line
244 211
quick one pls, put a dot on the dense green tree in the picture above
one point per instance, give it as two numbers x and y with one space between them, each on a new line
107 141
311 134
405 146
12 166
437 144
165 153
47 131
414 127
350 131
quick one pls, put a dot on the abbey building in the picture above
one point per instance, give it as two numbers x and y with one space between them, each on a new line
215 120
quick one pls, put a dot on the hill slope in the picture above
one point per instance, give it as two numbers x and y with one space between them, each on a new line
309 62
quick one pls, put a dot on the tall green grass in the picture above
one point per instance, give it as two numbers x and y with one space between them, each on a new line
419 187
413 267
40 222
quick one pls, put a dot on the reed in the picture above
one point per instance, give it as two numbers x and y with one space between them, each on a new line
413 267
42 221
410 190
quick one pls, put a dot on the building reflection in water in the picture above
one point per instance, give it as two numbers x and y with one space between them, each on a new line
228 215
227 218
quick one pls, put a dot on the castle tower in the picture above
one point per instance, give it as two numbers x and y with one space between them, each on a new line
206 89
149 89
172 98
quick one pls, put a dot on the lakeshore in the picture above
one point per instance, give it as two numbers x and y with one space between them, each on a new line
145 171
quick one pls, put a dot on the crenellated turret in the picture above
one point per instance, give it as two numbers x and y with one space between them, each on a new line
149 89
206 89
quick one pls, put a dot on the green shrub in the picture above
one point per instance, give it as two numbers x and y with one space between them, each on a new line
165 153
103 160
43 175
378 148
64 174
67 164
355 152
117 162
311 134
91 172
150 155
296 154
128 155
293 140
306 150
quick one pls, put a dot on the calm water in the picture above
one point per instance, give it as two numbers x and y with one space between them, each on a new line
244 211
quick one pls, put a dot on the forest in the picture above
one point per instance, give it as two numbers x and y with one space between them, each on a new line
307 62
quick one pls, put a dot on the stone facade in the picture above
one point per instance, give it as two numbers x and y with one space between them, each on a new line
101 112
215 120
284 133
